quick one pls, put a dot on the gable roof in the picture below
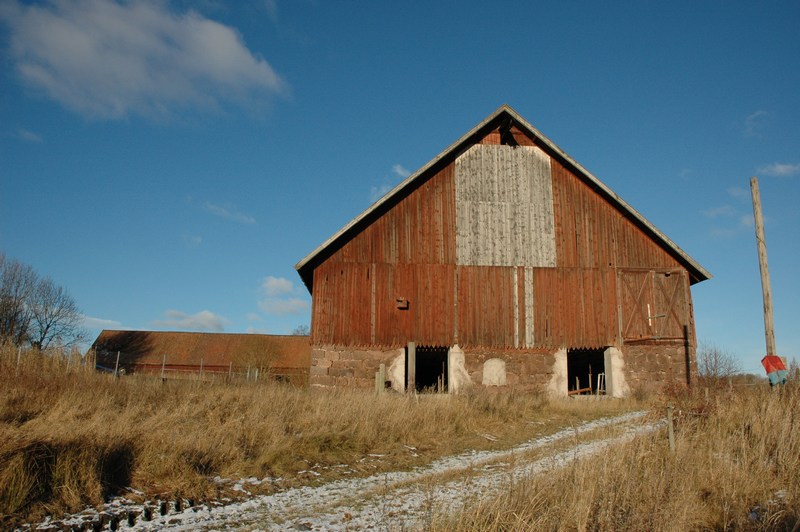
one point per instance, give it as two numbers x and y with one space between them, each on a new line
189 348
500 117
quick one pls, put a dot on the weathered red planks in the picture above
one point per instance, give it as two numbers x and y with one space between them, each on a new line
420 229
591 233
408 253
574 307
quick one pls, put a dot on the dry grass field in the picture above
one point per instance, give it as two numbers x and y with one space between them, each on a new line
736 466
71 437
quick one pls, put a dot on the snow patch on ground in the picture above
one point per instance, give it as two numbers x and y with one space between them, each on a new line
399 500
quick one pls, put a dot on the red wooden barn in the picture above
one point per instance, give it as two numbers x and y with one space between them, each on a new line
502 262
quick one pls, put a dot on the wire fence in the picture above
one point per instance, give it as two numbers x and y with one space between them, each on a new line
63 360
117 365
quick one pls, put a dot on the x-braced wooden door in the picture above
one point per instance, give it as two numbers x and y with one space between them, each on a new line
654 304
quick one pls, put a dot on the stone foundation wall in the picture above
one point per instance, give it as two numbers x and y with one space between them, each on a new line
344 366
649 366
356 368
652 366
524 370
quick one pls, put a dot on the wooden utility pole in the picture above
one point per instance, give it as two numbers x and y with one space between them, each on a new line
769 323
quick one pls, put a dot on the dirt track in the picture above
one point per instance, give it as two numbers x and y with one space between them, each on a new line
406 500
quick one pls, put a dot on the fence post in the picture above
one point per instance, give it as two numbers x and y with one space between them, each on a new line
670 429
411 368
380 379
163 365
116 366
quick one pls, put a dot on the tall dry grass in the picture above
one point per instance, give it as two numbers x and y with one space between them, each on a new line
736 467
71 437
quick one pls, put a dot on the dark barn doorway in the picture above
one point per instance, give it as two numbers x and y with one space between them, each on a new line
431 369
583 368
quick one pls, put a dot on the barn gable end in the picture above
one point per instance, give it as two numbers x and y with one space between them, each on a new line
505 247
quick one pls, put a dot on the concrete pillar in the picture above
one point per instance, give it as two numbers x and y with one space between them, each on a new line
616 386
558 382
397 371
457 375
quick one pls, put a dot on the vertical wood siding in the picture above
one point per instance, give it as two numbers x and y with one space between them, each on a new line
504 207
575 307
348 311
502 248
418 230
485 306
591 233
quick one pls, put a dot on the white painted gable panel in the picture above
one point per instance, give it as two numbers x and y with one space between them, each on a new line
504 207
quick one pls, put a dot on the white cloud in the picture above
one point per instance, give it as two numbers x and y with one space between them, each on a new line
229 212
780 169
276 286
29 136
109 60
271 7
400 171
252 316
99 323
741 224
754 123
279 297
377 192
716 212
193 240
739 193
282 307
204 320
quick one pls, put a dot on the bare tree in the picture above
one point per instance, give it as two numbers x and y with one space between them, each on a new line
301 330
715 365
54 316
17 284
35 310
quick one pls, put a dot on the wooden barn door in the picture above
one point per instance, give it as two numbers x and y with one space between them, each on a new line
653 304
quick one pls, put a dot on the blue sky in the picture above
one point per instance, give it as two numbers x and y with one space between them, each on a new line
169 162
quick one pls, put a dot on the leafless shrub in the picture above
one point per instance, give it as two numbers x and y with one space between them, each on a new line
715 366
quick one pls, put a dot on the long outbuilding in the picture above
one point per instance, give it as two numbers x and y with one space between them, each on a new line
502 262
204 355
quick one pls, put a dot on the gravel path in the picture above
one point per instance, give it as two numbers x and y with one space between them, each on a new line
404 500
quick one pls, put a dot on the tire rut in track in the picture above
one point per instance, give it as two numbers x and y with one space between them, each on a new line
406 500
